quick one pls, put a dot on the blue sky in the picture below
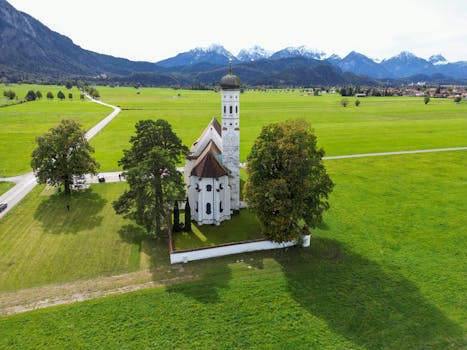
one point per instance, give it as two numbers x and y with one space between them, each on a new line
152 30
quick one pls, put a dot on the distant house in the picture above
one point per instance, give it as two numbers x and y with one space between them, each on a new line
360 94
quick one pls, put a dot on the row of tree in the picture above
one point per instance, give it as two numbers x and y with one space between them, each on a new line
287 186
37 95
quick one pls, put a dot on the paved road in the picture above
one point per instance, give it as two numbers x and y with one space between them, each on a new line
25 183
396 153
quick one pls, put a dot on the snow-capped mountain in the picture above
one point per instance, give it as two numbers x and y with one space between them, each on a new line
406 64
303 51
214 54
360 64
437 60
253 54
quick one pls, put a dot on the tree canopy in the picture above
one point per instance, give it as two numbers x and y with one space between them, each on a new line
287 186
151 172
63 152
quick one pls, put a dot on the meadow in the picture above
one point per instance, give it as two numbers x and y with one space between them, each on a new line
20 124
5 186
379 124
385 270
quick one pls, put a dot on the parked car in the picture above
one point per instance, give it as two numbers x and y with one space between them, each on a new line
3 206
100 178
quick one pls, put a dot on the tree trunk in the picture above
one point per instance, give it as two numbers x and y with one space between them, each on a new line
66 184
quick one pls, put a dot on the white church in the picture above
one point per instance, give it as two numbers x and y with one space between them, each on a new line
212 169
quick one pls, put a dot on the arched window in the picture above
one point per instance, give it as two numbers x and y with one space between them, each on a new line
209 188
225 109
197 206
230 109
236 109
208 208
220 207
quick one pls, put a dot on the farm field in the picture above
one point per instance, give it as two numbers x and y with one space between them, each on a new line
385 271
5 186
20 124
379 124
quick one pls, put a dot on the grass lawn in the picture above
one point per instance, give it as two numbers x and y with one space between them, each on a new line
42 243
243 227
20 124
380 123
5 186
386 270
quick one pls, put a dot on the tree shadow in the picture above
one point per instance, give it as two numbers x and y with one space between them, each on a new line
375 308
209 280
132 234
61 213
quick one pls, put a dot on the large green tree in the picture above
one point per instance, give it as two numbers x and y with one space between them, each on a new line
287 186
151 172
63 152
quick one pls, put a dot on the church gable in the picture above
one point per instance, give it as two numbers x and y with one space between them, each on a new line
207 164
212 133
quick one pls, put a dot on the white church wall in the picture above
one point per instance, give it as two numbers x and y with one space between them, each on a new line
200 197
231 249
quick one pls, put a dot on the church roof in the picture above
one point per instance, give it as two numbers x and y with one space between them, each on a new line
230 81
214 125
207 164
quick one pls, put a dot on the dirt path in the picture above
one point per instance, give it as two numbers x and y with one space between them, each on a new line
42 297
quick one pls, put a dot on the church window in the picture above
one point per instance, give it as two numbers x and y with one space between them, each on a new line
197 206
236 109
208 208
209 188
231 109
225 109
221 186
220 207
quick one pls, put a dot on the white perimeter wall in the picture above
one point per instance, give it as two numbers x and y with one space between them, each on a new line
207 253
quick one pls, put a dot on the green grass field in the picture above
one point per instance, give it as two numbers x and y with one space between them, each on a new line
386 270
5 186
42 243
380 123
244 227
20 124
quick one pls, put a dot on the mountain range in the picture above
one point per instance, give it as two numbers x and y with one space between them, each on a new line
30 51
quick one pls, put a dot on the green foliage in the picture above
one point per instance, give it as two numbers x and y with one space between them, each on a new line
287 182
60 95
176 225
344 102
70 96
62 153
457 99
93 93
10 94
426 99
5 186
50 95
30 96
357 103
68 84
187 218
38 94
151 172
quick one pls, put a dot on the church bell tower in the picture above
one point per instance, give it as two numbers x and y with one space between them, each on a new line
230 94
